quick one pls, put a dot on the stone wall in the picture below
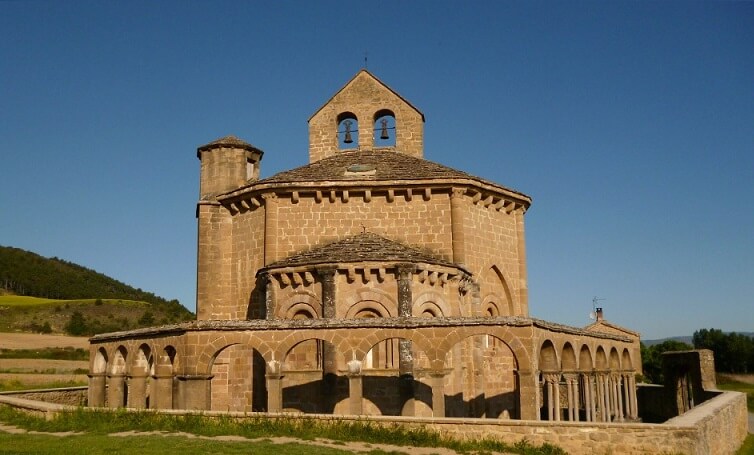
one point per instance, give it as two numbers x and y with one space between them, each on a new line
364 97
72 396
717 427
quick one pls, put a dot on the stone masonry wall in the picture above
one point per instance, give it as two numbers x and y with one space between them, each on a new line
248 256
416 222
364 96
491 240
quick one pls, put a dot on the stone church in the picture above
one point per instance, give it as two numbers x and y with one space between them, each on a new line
370 281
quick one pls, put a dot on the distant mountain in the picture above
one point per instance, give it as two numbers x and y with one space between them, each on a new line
684 339
25 273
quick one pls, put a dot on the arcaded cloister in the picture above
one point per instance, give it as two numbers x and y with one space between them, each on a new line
370 281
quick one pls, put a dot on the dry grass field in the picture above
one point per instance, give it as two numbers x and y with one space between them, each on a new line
40 341
40 373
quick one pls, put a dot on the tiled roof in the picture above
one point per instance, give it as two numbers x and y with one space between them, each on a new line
366 246
373 165
228 141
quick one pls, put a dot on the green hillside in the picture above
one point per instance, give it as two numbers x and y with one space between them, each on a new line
39 294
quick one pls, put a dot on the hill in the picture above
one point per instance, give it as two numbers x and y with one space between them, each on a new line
27 273
83 317
39 294
688 339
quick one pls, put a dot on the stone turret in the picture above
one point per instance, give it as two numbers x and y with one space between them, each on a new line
227 163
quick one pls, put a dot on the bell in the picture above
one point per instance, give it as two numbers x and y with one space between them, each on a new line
348 139
384 134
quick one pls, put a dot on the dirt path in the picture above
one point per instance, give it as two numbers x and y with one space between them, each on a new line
38 341
355 447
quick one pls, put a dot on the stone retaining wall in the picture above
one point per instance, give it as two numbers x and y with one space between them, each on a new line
716 427
71 396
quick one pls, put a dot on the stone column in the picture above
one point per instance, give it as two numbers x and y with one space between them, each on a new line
437 381
587 386
162 395
270 227
523 286
573 396
626 395
602 397
274 386
552 383
270 307
355 388
619 411
329 299
137 391
528 393
97 389
116 390
634 402
406 359
195 391
456 225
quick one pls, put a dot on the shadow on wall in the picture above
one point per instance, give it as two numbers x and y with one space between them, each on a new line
689 381
391 396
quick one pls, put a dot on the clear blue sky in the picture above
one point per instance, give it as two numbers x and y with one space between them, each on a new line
631 124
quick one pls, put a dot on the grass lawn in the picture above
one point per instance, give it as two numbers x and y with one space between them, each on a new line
748 447
100 425
22 301
107 445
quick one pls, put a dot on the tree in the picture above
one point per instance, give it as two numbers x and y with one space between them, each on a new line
651 358
77 325
146 319
734 352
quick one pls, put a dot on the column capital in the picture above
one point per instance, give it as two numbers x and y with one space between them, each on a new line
457 192
571 376
354 368
403 269
551 377
326 272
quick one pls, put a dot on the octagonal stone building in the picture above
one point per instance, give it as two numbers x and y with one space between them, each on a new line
370 281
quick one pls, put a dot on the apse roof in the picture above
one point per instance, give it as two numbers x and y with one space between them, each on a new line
371 165
363 247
